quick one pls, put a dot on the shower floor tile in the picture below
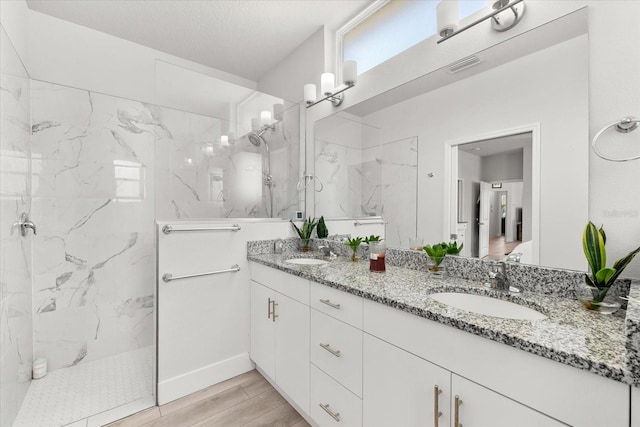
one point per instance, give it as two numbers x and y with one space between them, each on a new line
71 394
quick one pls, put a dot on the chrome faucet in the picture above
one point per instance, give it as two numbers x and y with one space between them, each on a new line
326 251
499 279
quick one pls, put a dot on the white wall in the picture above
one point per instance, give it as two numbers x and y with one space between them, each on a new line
614 92
304 65
69 54
502 167
14 16
564 136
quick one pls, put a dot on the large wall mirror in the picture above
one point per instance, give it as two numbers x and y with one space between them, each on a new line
497 152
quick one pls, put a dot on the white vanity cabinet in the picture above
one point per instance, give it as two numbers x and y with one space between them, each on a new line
405 390
475 406
498 384
401 389
280 332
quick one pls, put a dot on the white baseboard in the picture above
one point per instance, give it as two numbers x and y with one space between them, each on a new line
190 382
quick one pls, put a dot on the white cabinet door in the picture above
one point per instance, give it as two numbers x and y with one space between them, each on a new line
399 388
262 329
292 349
481 407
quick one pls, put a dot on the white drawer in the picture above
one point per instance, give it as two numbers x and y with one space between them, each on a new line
287 284
336 348
338 304
339 402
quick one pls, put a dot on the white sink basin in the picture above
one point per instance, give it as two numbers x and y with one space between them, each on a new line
306 261
488 306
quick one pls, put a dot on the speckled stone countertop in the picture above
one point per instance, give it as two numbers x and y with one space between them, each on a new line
570 334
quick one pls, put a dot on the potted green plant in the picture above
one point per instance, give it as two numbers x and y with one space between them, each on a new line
453 248
372 239
601 277
354 244
436 253
305 232
322 230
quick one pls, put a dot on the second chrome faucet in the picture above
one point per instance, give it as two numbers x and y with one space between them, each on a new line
498 277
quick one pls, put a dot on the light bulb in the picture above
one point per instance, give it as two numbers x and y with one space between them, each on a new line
327 83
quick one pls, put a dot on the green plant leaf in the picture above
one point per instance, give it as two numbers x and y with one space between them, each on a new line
321 229
622 263
604 276
593 246
354 243
372 238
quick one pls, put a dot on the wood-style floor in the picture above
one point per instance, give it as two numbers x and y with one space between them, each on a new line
247 400
499 248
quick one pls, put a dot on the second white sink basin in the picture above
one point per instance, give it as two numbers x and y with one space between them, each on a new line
306 261
488 306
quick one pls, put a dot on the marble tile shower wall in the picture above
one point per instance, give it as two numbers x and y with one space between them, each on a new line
338 167
200 178
389 185
104 169
93 202
380 180
16 350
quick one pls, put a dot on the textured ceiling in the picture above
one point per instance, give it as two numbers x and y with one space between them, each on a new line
243 37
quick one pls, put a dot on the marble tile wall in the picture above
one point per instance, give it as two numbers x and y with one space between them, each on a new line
201 178
93 202
389 188
16 349
104 169
377 180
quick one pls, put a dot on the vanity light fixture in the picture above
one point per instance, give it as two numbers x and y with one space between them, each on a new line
327 86
506 15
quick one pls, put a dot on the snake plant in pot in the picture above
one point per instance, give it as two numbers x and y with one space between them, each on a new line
305 232
601 277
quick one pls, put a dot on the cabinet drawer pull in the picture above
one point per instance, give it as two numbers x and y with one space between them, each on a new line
456 412
330 304
327 347
334 415
436 410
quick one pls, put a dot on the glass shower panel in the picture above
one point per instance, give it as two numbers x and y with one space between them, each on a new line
366 176
16 343
202 175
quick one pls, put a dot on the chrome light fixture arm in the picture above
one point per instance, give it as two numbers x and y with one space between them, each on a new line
336 97
516 6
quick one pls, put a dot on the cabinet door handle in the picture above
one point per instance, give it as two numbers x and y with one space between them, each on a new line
456 412
436 407
334 415
330 304
327 347
269 308
273 311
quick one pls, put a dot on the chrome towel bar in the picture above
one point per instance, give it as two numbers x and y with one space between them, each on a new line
169 228
366 222
169 277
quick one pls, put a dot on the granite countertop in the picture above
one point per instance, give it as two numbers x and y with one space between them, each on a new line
570 334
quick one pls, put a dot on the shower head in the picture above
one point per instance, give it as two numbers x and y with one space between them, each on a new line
256 138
